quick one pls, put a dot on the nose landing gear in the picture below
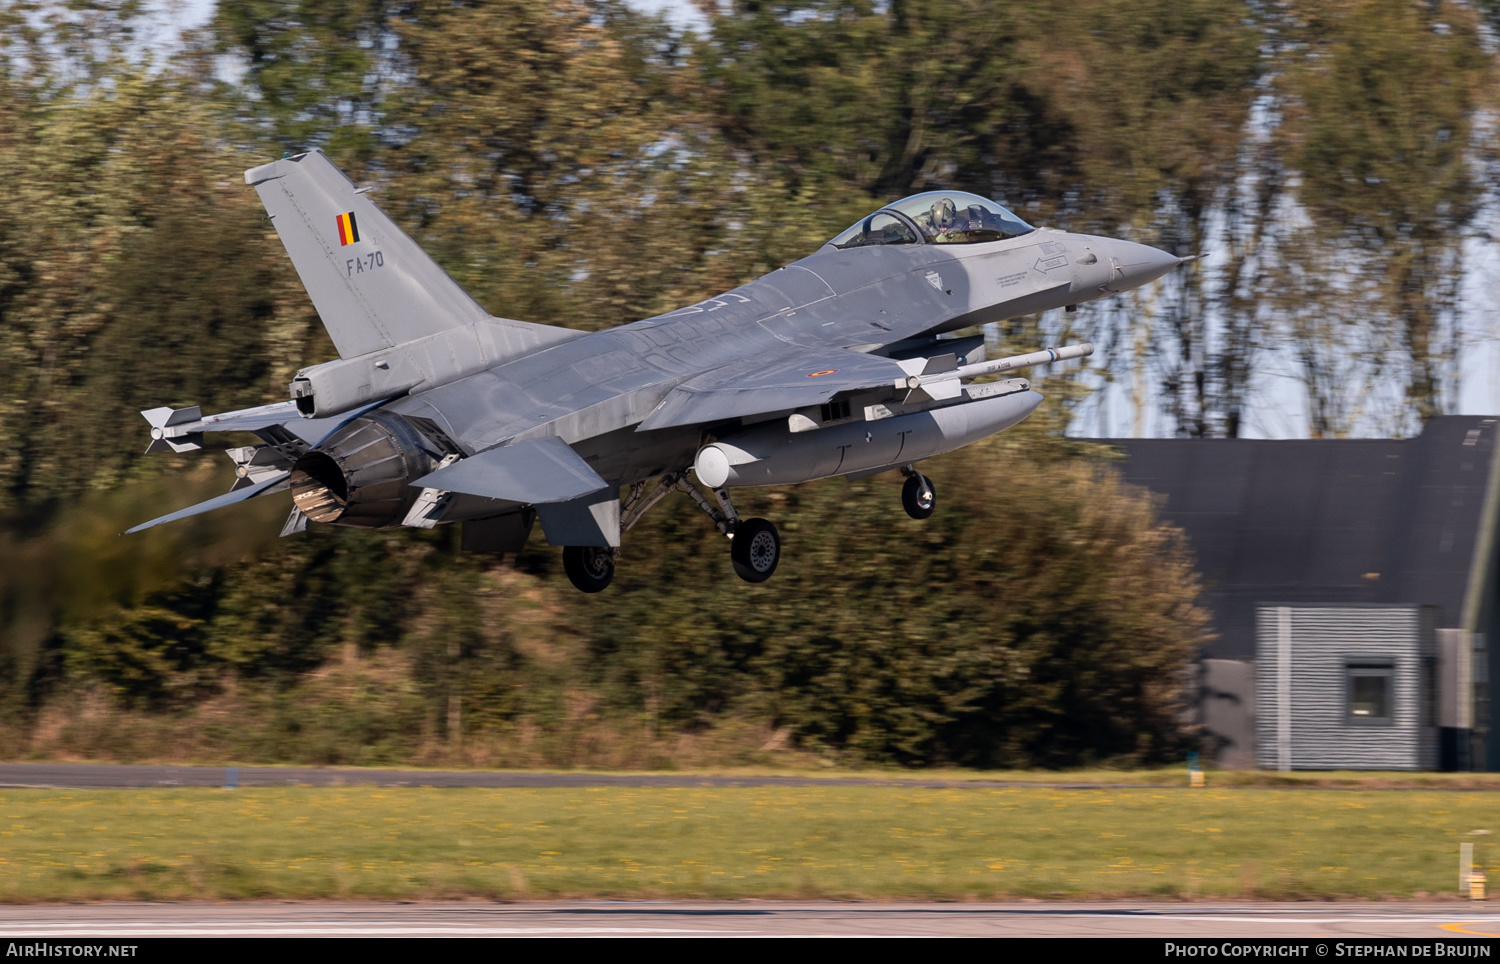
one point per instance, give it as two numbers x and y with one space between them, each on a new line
918 496
756 550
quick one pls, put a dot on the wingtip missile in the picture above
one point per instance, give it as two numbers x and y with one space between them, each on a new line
165 434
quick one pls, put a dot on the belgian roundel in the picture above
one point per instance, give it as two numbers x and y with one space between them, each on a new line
348 230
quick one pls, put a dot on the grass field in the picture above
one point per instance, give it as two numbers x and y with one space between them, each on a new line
866 842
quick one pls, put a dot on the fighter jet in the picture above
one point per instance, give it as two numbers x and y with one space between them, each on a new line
845 363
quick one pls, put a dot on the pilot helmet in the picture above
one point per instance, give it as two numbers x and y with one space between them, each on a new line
943 214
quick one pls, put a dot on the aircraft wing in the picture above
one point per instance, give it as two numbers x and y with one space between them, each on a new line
792 379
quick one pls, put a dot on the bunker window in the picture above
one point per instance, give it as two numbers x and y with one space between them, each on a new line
1370 685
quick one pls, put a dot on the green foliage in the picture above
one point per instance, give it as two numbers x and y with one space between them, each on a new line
132 265
1381 125
1383 116
143 654
537 184
910 93
315 69
1041 616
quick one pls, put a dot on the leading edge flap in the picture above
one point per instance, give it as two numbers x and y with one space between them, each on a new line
756 386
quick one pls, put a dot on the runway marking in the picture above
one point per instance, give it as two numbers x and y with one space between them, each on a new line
1458 928
475 931
665 920
1267 919
285 930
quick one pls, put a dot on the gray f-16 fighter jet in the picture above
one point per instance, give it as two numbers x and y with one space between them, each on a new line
436 412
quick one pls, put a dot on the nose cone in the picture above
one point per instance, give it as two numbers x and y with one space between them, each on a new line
1138 264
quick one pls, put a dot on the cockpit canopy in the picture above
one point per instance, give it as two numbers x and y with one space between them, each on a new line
935 217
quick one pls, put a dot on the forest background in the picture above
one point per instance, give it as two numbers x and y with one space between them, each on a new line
580 163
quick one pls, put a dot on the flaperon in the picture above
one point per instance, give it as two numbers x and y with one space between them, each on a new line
437 412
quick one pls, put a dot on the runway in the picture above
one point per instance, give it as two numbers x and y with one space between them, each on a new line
107 776
1449 923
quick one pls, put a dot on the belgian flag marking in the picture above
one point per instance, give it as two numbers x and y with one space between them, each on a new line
348 230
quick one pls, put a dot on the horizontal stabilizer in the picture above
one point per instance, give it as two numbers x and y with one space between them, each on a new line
230 498
798 378
533 471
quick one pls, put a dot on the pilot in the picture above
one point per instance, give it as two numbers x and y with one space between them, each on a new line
941 216
948 225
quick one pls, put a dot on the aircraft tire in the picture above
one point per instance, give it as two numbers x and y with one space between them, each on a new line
589 568
756 550
918 496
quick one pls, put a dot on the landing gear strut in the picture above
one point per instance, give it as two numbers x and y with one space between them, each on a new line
754 548
590 568
755 545
918 496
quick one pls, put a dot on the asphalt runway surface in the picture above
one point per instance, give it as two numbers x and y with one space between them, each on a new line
110 776
1446 923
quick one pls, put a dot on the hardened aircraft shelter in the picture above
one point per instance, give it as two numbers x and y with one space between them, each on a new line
1353 589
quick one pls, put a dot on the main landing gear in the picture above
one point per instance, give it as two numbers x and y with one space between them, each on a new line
754 548
755 545
918 496
590 568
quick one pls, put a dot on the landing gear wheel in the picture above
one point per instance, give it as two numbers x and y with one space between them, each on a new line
918 496
756 550
590 568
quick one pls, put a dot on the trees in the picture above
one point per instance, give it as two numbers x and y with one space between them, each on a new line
1042 616
129 257
1380 117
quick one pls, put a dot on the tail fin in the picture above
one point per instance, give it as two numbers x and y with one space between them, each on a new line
373 286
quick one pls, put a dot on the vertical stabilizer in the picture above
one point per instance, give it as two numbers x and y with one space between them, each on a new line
373 286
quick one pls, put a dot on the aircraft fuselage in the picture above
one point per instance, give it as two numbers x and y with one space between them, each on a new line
594 390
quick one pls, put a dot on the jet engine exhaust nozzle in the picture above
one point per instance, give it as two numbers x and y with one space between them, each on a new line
358 476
